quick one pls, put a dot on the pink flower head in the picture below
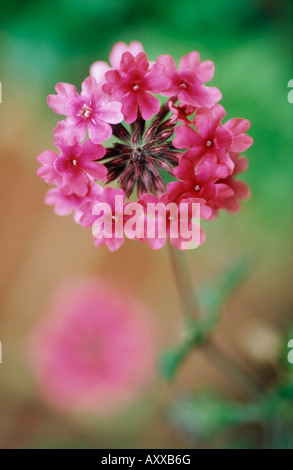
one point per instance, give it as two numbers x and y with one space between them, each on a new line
91 110
132 84
185 142
187 83
99 68
95 351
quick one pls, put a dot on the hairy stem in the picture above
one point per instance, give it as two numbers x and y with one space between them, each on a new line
239 376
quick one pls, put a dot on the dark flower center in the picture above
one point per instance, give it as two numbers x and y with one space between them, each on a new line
141 155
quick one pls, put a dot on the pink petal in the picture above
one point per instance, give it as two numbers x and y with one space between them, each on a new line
57 103
99 131
156 243
157 81
98 70
200 96
224 191
189 61
205 71
168 62
119 48
72 130
116 54
66 93
62 165
63 204
186 137
241 164
223 139
96 170
241 142
90 151
237 126
207 120
148 105
129 108
142 62
114 243
127 62
241 189
110 113
135 47
75 184
206 169
47 170
112 76
90 88
47 158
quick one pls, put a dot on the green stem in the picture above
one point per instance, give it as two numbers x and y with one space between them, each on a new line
215 354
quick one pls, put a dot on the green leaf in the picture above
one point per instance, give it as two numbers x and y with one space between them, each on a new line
211 297
214 295
206 414
172 359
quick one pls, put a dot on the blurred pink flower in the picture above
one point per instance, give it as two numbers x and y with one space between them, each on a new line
95 350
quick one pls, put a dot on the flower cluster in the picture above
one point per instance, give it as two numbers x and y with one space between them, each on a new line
183 137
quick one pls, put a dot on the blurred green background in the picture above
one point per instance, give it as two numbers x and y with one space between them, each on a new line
250 41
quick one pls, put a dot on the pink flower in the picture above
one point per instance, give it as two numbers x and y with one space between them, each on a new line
65 204
209 138
77 166
187 83
237 128
94 352
132 84
240 189
99 68
199 181
90 110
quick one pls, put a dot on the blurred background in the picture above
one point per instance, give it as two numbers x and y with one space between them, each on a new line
43 43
